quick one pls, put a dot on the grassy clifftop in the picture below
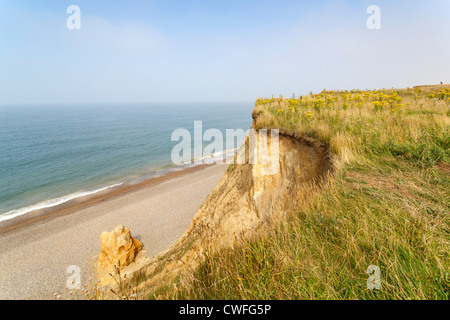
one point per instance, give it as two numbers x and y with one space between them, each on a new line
387 205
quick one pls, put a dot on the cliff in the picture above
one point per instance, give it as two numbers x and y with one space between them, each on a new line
362 182
245 203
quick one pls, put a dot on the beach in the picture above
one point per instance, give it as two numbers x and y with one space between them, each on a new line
37 248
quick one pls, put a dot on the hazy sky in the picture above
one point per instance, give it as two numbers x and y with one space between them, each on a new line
211 50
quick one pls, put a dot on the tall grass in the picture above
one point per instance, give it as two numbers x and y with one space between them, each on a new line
387 206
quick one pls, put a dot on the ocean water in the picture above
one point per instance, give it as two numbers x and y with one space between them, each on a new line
51 154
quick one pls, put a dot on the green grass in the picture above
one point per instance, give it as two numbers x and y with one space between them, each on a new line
323 251
387 206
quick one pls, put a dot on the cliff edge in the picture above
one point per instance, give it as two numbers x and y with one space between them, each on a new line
245 202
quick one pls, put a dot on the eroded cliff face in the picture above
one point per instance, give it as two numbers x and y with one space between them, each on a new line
245 201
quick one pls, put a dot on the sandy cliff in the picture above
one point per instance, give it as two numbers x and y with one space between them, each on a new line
244 202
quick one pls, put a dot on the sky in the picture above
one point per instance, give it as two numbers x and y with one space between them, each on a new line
133 51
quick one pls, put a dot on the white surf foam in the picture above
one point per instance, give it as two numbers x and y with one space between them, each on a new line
50 203
216 157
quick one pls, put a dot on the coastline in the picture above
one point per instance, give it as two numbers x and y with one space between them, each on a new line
38 247
125 185
83 202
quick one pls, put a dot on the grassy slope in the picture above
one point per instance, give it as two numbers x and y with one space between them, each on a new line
387 205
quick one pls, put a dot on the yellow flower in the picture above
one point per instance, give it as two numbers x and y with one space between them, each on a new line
378 105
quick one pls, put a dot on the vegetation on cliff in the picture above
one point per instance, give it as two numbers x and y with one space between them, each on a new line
306 234
386 206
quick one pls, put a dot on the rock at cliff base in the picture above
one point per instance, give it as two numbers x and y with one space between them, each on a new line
118 248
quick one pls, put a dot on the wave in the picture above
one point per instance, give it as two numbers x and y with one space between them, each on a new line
50 203
217 156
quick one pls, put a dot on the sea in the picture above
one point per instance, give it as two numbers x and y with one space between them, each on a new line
50 154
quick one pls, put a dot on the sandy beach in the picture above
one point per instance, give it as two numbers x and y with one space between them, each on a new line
36 249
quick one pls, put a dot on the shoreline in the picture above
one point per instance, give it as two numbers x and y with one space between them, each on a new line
37 251
69 206
157 176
